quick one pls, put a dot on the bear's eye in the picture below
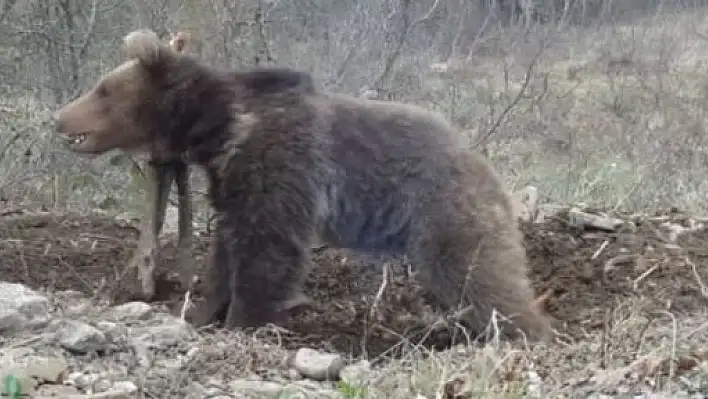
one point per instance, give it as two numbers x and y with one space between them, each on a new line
102 91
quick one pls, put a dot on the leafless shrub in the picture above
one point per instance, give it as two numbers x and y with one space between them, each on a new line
592 100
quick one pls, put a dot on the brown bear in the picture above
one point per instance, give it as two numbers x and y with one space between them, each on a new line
289 163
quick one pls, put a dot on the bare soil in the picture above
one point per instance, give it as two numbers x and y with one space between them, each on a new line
582 274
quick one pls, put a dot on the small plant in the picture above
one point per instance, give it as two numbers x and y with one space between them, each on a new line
11 387
352 391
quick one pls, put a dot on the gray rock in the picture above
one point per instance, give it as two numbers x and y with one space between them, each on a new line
578 218
80 337
114 332
132 311
257 388
68 296
312 389
111 394
127 387
547 211
32 370
170 332
316 365
87 381
143 355
15 354
103 384
54 391
196 390
77 310
214 393
77 379
21 308
534 387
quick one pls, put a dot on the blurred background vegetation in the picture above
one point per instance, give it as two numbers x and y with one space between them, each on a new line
594 101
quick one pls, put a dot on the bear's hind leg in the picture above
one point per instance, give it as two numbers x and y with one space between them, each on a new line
474 269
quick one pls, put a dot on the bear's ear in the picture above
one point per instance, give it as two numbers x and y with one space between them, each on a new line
178 41
144 46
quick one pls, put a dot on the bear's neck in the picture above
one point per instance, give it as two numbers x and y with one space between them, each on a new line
201 116
209 110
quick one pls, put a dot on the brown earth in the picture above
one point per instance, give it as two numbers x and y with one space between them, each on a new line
582 275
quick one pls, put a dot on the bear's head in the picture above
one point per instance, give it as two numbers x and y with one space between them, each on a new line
121 111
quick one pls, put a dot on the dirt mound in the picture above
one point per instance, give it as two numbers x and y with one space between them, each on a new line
587 273
583 274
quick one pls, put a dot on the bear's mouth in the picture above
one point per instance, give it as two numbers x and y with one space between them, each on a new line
76 139
78 143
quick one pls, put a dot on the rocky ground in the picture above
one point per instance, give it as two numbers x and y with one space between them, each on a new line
628 294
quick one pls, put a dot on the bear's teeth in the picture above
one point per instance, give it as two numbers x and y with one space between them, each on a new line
80 139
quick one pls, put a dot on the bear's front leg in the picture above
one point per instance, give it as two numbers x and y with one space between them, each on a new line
159 177
267 273
216 288
260 256
185 241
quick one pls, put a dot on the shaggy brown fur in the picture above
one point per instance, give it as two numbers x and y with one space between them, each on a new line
289 163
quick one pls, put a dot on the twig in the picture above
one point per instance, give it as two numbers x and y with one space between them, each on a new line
380 292
374 306
605 339
635 283
186 305
704 289
698 329
262 50
527 80
642 333
599 250
674 334
90 30
7 7
9 144
619 259
496 337
542 300
407 26
393 57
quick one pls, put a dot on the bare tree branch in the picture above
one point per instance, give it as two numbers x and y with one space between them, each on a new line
6 8
407 26
89 30
522 91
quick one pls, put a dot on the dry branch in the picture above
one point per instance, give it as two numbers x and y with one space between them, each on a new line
396 53
527 80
